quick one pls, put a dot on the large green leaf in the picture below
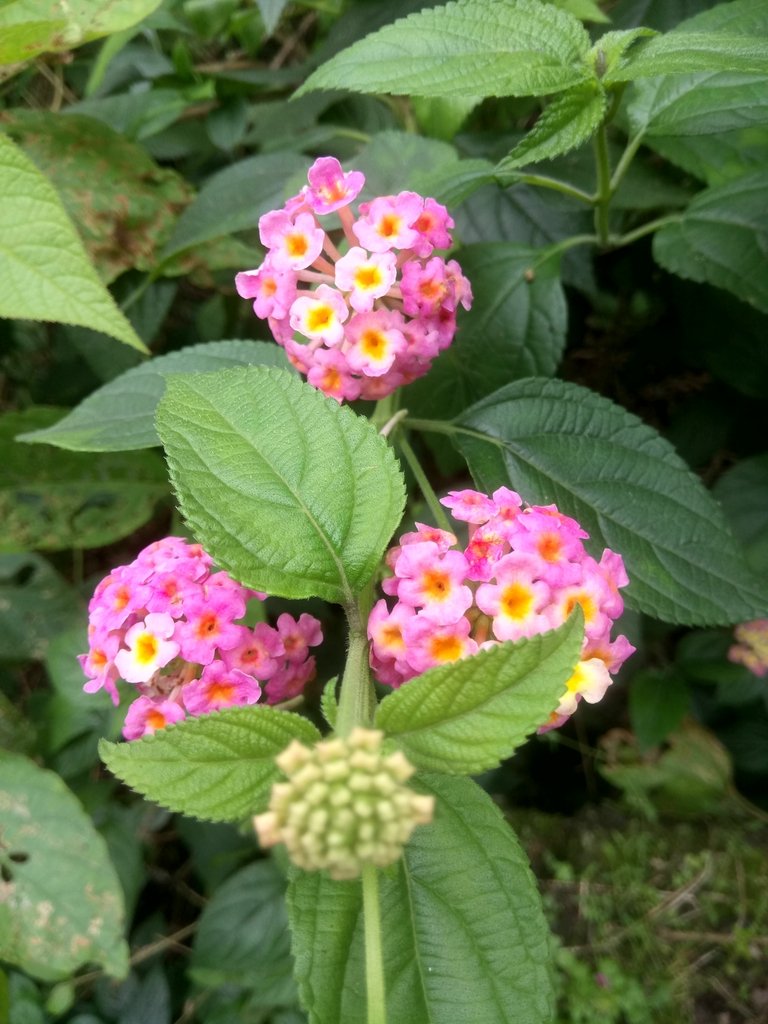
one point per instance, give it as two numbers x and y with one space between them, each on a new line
743 493
470 47
661 15
722 239
243 938
30 27
45 273
716 158
712 100
676 53
289 491
36 603
466 717
465 940
52 502
219 767
123 203
516 328
120 416
558 442
572 118
62 905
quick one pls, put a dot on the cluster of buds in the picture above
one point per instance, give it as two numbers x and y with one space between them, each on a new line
374 317
169 625
522 572
344 805
752 646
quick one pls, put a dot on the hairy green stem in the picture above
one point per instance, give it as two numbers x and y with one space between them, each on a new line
437 510
357 699
603 194
374 965
542 181
625 160
645 229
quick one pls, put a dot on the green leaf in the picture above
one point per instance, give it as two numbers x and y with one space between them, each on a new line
678 53
393 161
584 10
45 273
466 717
286 489
63 902
470 47
35 604
270 11
722 238
120 416
441 117
234 199
712 100
716 158
464 936
659 14
573 117
123 203
610 48
556 442
658 702
53 502
743 493
243 938
516 328
31 27
219 767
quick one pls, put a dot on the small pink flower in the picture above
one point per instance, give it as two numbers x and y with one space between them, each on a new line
220 687
387 222
426 288
259 652
430 644
469 506
329 187
320 315
149 648
374 342
434 581
433 226
272 290
146 716
332 374
293 244
366 277
298 635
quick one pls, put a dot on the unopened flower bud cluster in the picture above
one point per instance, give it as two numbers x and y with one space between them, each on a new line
751 648
169 625
359 303
522 572
344 805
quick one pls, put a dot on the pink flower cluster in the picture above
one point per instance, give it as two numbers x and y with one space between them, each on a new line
167 624
373 318
522 572
752 646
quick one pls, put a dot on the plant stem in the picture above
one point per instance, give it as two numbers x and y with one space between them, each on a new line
624 161
357 699
374 967
542 181
437 510
645 229
603 195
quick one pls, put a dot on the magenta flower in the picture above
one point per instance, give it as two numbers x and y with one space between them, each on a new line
521 572
184 649
318 280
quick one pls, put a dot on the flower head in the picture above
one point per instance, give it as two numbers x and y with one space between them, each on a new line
170 626
361 305
521 572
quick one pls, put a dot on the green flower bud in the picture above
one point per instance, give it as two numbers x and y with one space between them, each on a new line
344 804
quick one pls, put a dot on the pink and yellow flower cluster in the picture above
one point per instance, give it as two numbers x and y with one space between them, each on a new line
169 625
522 572
751 648
361 305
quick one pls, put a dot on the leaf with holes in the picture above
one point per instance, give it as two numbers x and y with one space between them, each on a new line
62 905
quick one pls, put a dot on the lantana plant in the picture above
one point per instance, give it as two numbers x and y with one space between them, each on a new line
407 890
